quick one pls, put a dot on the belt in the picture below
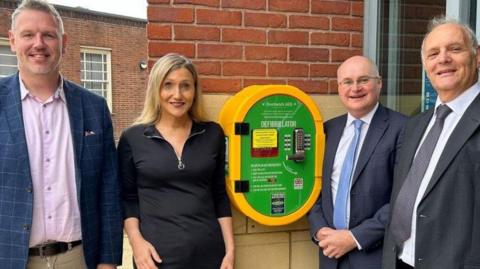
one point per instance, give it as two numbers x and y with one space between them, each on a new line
50 249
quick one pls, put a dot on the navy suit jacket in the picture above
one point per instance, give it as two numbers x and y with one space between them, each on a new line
370 191
96 177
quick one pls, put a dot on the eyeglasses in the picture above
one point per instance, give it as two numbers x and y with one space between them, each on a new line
361 81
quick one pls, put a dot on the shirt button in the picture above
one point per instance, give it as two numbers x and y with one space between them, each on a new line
49 188
47 132
48 160
49 217
422 216
44 105
26 227
29 189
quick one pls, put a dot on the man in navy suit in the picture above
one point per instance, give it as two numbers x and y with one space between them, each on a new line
348 220
59 191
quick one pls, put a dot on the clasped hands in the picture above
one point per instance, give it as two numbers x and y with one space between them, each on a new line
335 243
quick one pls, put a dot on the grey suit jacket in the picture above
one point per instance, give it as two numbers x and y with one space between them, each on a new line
448 216
370 191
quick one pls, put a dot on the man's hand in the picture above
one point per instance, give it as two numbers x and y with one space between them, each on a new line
335 243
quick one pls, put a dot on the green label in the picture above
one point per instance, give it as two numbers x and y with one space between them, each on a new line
278 155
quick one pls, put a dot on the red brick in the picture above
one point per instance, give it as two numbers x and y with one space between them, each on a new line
333 86
169 14
244 35
310 86
287 70
219 51
187 32
289 5
331 7
323 70
159 32
309 54
249 82
245 4
210 3
309 22
357 9
208 68
291 37
340 55
347 24
158 49
265 20
244 69
158 1
357 40
329 38
265 53
216 85
217 17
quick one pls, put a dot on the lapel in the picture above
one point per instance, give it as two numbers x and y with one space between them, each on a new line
75 112
375 132
12 106
469 122
333 134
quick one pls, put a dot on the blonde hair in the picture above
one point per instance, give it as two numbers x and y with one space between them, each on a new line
152 109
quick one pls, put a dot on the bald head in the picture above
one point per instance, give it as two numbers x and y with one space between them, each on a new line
359 85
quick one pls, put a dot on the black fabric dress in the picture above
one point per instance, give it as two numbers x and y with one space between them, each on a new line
176 201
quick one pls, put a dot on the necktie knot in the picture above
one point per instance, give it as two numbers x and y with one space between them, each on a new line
357 124
442 112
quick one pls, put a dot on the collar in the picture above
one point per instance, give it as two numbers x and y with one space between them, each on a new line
59 92
460 104
197 128
366 119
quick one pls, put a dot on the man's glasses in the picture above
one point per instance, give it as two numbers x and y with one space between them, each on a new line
361 81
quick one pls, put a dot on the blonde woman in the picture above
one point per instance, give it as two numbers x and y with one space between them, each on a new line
177 213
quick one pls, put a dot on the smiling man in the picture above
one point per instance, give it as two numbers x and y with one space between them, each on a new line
435 206
59 190
348 220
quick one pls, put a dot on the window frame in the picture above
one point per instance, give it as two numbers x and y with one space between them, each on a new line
102 51
5 42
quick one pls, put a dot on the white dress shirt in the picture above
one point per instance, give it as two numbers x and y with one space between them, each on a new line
458 106
347 137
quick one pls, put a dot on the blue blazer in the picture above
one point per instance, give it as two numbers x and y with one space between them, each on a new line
96 177
370 191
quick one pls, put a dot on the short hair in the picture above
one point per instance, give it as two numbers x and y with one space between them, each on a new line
151 112
442 20
38 5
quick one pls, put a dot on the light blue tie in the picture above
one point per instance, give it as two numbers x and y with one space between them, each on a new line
343 190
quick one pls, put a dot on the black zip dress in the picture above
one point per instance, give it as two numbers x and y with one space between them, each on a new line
177 201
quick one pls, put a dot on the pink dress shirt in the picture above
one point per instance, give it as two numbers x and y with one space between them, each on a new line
56 214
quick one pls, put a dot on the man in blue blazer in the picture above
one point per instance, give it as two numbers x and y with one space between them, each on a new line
59 190
348 220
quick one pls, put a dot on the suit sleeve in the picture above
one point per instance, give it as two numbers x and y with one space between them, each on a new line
110 205
316 218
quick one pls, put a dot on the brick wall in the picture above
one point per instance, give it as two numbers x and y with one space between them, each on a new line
125 37
237 43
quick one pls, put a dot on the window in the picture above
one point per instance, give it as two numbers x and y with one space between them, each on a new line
8 60
95 72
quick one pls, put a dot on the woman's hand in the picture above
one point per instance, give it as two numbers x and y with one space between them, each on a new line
228 261
144 254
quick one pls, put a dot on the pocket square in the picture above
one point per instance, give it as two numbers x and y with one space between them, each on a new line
87 133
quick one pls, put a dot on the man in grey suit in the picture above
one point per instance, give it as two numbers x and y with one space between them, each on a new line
59 188
348 220
435 206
